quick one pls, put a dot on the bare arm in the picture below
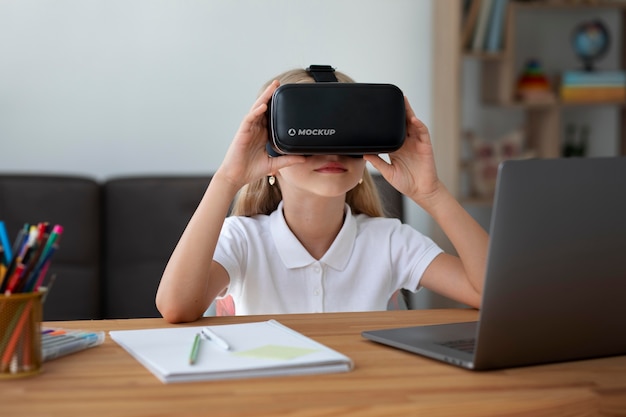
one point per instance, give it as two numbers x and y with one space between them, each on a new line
412 172
460 278
191 279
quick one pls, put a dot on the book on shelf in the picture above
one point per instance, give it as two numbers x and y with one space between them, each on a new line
571 94
245 350
495 32
483 25
480 33
469 23
594 78
593 86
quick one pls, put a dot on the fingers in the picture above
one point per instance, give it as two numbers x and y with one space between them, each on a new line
252 119
410 114
284 161
379 163
414 126
258 109
265 96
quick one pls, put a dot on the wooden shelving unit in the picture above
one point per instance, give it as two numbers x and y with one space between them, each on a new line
543 121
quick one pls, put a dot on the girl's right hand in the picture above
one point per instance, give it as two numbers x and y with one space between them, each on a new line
246 159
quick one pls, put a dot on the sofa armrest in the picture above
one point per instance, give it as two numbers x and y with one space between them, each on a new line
74 203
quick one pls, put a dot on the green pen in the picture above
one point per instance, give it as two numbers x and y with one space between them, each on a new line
194 349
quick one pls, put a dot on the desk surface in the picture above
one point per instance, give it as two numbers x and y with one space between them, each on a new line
107 381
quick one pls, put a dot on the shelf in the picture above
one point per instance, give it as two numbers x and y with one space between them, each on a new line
543 122
612 103
522 104
484 56
552 104
569 5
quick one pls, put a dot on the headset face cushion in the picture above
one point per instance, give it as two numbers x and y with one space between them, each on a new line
336 118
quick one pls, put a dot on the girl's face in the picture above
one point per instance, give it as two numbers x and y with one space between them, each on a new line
322 175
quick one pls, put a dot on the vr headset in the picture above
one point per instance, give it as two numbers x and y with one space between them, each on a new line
334 118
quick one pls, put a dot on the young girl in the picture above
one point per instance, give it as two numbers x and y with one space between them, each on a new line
307 234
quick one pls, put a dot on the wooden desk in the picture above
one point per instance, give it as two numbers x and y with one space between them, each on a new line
107 381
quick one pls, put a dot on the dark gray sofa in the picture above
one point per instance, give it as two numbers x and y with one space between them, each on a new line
118 235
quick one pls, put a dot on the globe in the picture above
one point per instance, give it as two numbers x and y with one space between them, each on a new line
590 41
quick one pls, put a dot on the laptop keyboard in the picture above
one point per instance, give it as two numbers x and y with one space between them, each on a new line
464 345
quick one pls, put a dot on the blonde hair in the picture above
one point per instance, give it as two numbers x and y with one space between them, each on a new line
259 197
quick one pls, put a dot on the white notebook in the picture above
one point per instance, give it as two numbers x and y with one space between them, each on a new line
256 349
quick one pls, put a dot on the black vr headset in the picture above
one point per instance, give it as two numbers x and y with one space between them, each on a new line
334 118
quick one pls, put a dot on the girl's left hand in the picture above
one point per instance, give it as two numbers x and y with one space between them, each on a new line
411 169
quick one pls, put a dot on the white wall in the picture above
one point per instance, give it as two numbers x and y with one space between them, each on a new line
115 87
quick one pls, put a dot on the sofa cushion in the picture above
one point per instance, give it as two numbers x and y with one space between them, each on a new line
143 219
74 203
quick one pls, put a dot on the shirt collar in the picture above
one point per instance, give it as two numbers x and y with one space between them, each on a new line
294 255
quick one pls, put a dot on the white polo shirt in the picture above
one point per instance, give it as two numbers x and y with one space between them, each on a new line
272 273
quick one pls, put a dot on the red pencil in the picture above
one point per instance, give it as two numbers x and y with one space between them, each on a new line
15 278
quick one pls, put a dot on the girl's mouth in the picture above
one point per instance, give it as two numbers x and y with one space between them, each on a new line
331 167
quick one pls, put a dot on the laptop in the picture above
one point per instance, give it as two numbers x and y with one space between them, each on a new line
555 284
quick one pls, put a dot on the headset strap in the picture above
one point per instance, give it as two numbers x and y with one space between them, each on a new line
322 73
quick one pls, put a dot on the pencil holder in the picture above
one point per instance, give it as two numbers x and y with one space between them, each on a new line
20 334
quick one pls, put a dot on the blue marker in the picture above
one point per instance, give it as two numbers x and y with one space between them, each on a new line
4 241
